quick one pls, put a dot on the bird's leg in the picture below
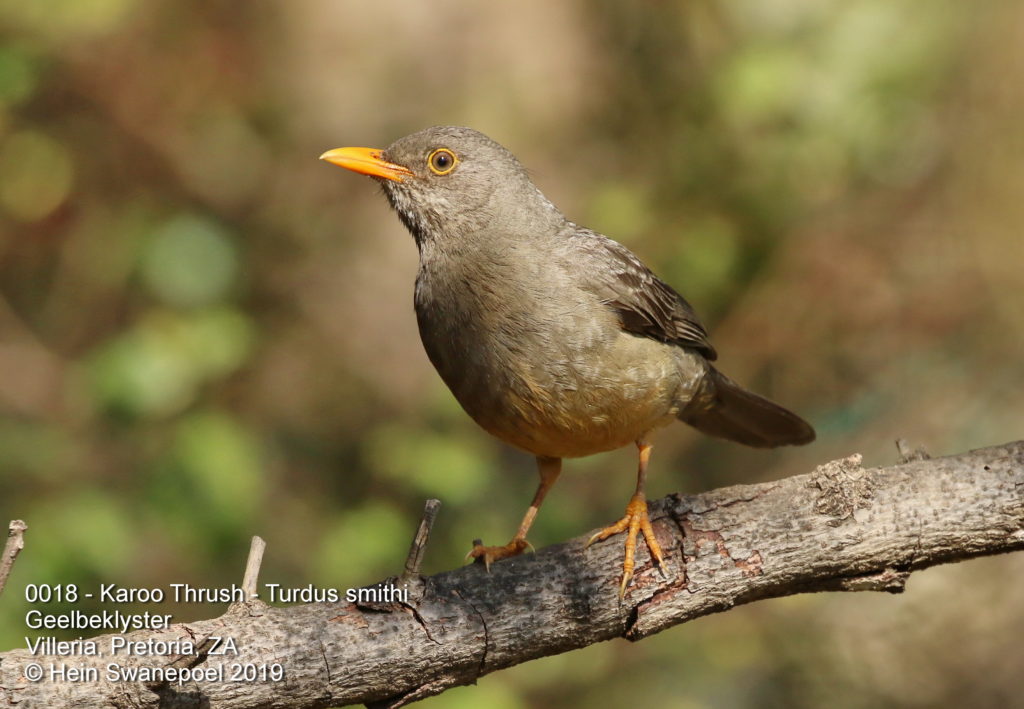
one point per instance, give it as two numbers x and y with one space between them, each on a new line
635 521
549 468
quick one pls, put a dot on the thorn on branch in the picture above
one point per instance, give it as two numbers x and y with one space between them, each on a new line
250 580
419 542
15 543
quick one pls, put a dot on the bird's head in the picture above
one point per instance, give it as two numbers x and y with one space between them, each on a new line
448 181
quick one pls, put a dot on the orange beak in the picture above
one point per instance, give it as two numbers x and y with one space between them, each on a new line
366 161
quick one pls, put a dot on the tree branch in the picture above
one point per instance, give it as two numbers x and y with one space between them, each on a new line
840 528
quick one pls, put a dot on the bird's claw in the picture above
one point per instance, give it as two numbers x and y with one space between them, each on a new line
634 522
488 555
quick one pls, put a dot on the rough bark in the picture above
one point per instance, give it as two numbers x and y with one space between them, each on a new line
840 528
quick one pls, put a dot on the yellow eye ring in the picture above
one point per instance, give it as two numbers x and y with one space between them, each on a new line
442 161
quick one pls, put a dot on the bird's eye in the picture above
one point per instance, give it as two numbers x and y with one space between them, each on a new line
441 161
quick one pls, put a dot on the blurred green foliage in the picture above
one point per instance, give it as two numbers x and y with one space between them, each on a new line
205 334
158 366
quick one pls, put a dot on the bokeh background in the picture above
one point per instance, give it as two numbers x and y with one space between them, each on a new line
205 333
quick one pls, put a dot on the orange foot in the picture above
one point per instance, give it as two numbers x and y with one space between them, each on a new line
635 521
490 554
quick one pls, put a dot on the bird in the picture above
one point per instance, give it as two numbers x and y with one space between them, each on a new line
554 338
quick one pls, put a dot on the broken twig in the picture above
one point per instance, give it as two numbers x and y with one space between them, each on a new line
15 543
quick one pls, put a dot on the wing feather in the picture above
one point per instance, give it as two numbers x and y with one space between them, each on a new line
645 304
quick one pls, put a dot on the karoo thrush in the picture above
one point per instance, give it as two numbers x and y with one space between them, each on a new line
552 337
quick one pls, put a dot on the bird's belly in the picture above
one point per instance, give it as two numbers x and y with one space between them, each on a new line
565 405
572 425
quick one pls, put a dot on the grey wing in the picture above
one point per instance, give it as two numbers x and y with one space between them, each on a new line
645 304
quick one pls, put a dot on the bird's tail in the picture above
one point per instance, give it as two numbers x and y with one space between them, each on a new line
727 410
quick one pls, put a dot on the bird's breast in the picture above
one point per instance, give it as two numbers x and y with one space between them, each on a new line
538 362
